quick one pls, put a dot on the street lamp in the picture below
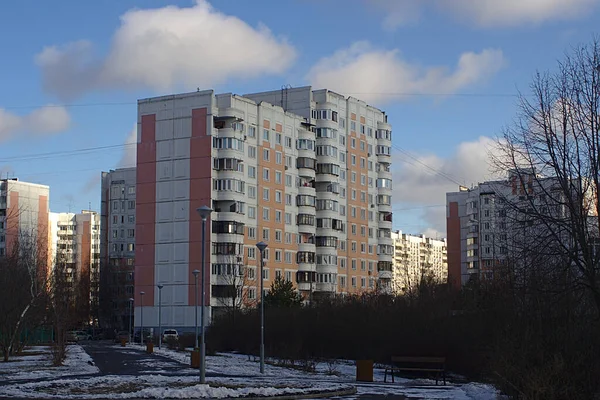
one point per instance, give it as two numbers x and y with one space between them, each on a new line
159 315
142 319
204 213
261 247
130 316
196 272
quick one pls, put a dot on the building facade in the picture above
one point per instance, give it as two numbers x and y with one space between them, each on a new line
24 210
499 221
418 259
75 241
117 252
307 172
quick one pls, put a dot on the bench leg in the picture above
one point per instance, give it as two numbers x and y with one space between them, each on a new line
393 381
385 375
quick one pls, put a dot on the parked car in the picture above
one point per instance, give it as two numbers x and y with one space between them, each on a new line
83 335
170 334
72 337
122 335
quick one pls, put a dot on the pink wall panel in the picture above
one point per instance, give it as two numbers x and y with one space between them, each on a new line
145 211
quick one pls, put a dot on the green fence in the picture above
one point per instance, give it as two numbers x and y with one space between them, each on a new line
40 335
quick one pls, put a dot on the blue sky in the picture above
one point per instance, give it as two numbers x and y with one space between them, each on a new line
92 60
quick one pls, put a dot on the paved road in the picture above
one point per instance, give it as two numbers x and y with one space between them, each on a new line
115 360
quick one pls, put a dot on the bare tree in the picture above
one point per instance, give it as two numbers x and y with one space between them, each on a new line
551 198
64 308
23 277
234 282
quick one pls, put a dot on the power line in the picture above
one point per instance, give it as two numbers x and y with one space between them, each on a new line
432 169
66 153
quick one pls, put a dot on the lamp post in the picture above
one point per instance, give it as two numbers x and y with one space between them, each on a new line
261 247
196 272
159 315
142 319
204 213
130 316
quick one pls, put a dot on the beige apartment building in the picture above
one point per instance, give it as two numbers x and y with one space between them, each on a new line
306 171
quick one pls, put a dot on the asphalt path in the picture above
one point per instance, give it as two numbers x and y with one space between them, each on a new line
112 359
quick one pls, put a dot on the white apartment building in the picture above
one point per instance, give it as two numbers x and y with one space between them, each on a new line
418 258
306 171
117 252
75 241
494 220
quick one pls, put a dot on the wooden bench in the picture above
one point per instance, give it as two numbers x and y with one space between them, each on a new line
423 364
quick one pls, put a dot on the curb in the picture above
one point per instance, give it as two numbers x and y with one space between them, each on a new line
317 395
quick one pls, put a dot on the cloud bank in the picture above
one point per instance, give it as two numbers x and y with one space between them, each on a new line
372 74
166 48
41 121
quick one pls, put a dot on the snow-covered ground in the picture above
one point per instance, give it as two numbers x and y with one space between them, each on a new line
36 363
229 375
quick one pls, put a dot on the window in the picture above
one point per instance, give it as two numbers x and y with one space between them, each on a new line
251 233
251 192
277 176
130 233
251 171
266 154
266 134
265 214
252 131
265 174
278 157
266 194
131 190
265 234
251 151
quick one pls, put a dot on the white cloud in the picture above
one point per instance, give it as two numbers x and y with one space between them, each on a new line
370 73
129 156
397 13
486 13
415 184
494 13
166 48
41 121
92 184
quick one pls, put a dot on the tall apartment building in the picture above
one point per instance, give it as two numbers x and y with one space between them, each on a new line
307 172
24 209
493 221
117 252
418 258
75 240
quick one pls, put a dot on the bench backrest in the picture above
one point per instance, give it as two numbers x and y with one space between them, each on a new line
428 360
